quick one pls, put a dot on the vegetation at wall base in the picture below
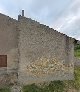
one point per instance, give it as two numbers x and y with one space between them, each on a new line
5 89
77 77
54 86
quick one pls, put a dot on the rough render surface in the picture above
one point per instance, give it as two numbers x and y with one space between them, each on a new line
41 49
9 47
35 53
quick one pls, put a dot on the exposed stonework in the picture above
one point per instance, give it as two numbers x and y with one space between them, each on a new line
43 67
37 41
35 52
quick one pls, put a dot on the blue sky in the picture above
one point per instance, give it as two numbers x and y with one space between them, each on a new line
62 15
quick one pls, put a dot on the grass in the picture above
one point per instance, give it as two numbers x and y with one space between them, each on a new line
54 86
77 51
6 89
77 77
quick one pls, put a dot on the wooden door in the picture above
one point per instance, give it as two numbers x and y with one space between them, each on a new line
3 60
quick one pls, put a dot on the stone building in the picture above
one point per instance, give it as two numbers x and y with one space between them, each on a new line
31 52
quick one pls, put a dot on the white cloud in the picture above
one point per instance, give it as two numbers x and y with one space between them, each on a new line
59 14
3 10
69 22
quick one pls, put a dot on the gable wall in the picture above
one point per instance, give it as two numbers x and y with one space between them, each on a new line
36 51
40 49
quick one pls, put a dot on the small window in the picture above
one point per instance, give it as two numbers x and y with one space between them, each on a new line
3 60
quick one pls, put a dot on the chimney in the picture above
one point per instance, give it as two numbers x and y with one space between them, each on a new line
23 13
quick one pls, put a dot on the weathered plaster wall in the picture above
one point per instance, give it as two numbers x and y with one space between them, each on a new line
8 46
34 51
45 54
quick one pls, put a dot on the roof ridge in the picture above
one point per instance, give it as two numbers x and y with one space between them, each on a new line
8 16
45 26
